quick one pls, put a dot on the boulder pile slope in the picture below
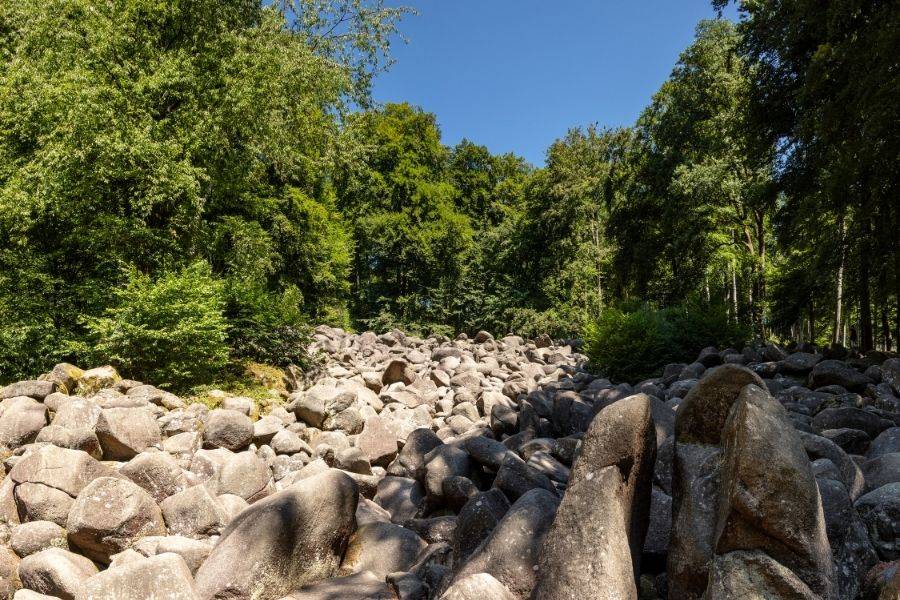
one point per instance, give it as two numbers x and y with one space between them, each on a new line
467 469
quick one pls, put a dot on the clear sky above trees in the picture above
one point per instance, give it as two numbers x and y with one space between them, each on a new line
517 74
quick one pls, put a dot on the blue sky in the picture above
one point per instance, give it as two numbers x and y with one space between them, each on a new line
515 75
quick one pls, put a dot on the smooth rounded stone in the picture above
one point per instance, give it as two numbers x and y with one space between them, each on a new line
516 477
358 586
239 403
21 419
126 432
770 499
890 374
880 511
754 574
887 442
29 538
289 539
443 462
837 372
77 413
402 497
233 505
377 442
852 552
9 572
881 471
348 420
510 552
36 502
98 378
367 511
799 363
852 418
30 595
478 586
289 442
851 441
434 530
228 429
381 548
476 521
701 417
157 473
83 439
549 466
485 451
194 512
164 576
56 572
823 468
398 371
109 515
206 464
156 396
595 544
819 447
266 428
37 390
246 475
458 491
48 478
354 461
194 552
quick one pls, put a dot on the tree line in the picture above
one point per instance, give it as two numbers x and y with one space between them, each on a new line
216 174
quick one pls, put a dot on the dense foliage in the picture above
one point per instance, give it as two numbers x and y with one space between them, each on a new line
146 145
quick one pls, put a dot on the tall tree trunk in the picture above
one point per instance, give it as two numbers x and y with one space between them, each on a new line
734 290
866 338
839 295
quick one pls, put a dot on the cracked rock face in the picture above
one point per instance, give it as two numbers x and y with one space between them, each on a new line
491 467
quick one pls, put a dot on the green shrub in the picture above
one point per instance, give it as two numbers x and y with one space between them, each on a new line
631 345
170 331
266 327
628 346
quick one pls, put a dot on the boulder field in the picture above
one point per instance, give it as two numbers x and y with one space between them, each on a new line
468 469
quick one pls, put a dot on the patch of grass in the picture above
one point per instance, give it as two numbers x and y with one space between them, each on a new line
263 384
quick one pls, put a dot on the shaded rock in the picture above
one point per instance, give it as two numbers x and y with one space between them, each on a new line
770 500
852 552
402 497
852 418
516 477
595 544
441 463
702 415
381 548
56 572
37 390
887 442
754 574
359 586
412 456
126 432
880 511
837 372
291 538
476 521
398 371
510 552
881 471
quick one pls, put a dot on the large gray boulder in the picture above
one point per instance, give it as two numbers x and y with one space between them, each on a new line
227 429
162 576
510 553
32 537
157 473
21 419
47 479
109 515
381 548
194 513
594 548
126 432
289 539
769 500
56 572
